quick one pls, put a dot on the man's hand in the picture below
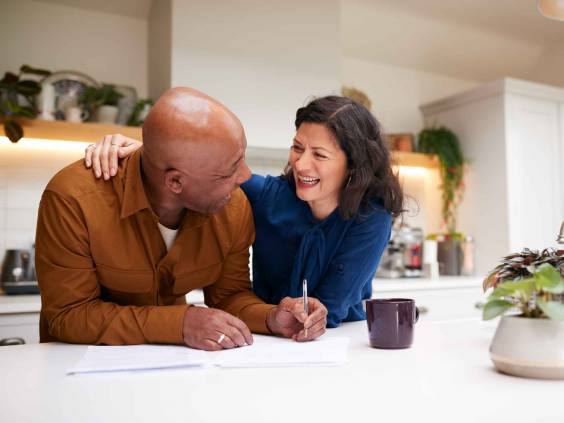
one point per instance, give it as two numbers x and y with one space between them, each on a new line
204 329
289 319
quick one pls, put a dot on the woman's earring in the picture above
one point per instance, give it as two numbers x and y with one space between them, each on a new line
348 182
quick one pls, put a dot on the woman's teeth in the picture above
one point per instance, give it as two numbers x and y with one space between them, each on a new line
308 180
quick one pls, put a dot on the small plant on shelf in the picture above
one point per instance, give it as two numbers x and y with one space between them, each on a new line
94 97
12 89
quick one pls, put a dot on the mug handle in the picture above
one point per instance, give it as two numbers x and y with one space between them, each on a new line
416 314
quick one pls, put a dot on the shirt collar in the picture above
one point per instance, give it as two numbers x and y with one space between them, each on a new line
134 198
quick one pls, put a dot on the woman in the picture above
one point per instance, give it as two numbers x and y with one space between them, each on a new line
327 219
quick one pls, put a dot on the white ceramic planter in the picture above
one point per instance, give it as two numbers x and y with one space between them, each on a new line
529 347
107 114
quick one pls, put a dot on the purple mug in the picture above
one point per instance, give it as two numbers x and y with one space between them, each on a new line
391 321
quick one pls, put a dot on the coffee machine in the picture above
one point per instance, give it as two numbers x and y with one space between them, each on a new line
18 272
403 257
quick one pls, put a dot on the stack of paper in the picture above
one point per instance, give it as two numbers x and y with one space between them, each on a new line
266 351
137 357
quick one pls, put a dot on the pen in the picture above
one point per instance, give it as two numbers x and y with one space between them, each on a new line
304 289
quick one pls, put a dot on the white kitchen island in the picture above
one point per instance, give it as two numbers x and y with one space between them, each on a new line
446 376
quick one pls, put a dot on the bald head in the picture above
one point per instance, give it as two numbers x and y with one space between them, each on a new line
183 123
193 153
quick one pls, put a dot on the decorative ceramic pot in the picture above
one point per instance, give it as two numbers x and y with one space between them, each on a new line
529 347
107 114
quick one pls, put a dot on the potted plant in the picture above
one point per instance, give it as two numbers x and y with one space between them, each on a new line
140 112
528 292
101 101
442 142
12 89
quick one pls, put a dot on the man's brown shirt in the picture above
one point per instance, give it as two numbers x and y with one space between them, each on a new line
104 272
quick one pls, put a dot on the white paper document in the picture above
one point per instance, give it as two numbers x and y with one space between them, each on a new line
137 357
266 351
269 351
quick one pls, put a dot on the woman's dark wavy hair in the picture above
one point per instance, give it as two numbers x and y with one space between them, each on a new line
368 161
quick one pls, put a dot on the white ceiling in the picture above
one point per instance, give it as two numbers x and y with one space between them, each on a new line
132 8
478 40
511 18
469 39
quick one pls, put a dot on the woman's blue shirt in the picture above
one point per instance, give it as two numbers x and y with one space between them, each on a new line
337 257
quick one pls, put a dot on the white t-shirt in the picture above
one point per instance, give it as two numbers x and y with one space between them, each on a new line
169 235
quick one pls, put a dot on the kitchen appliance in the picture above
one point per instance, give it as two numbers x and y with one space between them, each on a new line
18 272
403 256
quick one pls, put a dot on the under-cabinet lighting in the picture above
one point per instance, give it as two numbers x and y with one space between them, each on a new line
411 170
37 144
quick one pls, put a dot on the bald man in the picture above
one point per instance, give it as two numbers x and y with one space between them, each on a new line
116 259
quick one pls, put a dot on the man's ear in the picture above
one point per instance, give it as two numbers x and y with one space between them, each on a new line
174 180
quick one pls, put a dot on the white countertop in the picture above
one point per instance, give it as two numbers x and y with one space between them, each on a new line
416 284
446 376
10 304
32 303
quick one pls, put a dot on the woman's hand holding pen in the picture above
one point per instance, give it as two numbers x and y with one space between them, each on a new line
288 319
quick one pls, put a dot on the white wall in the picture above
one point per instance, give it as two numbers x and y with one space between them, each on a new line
397 92
262 59
159 47
109 48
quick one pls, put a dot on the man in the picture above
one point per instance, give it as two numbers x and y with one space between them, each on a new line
115 260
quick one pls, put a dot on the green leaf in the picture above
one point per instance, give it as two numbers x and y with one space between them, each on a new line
34 71
552 309
523 287
27 112
13 130
28 87
495 307
10 78
10 107
548 279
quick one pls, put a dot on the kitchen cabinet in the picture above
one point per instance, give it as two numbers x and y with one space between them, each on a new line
19 317
446 298
512 133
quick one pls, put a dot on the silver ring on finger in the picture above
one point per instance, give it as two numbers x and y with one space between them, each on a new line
91 146
221 338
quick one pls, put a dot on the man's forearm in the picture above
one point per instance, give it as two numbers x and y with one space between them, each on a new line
99 322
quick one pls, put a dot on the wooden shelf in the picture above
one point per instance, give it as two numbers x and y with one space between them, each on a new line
93 132
402 158
65 131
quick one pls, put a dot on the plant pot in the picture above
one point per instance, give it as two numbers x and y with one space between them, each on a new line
449 256
529 347
107 114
